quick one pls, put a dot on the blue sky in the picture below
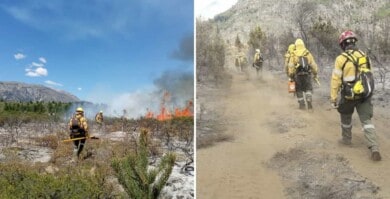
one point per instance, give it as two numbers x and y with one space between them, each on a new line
96 49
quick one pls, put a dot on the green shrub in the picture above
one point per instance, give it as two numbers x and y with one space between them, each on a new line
20 181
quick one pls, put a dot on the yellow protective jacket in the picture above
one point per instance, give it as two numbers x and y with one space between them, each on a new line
99 118
300 50
82 121
241 60
340 75
288 65
256 58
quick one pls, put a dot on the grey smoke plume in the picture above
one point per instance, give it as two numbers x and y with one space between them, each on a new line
180 86
186 49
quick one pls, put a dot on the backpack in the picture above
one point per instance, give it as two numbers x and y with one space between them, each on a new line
75 126
303 64
363 86
259 60
98 118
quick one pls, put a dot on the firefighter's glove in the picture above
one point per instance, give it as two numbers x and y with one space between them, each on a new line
334 105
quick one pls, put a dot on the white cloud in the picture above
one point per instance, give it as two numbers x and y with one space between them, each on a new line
209 8
37 72
19 56
37 64
43 60
37 69
53 83
79 88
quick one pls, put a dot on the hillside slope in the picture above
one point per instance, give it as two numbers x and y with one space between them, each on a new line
279 151
277 17
22 92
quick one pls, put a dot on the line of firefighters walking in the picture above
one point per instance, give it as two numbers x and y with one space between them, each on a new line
301 68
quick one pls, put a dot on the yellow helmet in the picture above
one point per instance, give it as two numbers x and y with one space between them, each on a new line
79 109
299 42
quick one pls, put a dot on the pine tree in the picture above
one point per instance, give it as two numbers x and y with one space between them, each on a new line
256 38
138 180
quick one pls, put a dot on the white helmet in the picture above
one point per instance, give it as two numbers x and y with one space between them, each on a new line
258 50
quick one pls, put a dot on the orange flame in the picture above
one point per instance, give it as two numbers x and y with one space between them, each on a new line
165 113
149 114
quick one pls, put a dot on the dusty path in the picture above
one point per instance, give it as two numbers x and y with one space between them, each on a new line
264 120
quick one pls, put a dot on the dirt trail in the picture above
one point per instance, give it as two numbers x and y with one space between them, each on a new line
264 120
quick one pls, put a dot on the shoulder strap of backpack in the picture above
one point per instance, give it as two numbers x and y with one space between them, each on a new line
351 58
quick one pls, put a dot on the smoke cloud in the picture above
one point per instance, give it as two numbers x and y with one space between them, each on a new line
186 49
179 85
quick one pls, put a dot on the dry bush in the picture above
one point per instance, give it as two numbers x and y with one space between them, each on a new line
11 154
62 153
50 141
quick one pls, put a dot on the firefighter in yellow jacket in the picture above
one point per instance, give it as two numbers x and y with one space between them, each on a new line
241 61
78 127
288 57
99 118
258 62
305 68
345 72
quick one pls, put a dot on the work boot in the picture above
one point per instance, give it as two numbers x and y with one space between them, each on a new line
345 142
376 156
302 106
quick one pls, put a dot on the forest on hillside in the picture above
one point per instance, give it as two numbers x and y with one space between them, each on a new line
220 39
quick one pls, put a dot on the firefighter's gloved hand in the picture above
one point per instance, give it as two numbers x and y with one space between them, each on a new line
334 105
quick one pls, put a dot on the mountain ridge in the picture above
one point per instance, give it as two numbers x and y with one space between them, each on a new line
24 92
277 17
